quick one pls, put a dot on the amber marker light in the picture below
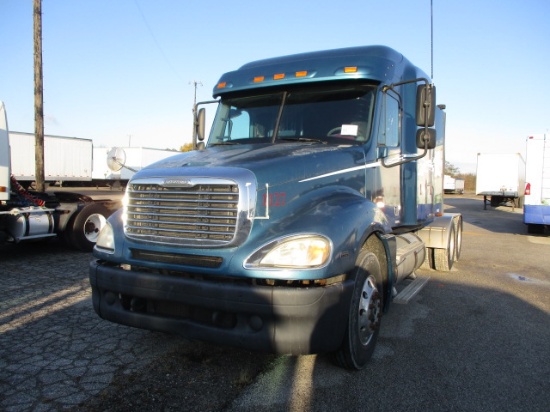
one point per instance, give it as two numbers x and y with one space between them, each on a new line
302 73
278 76
350 69
259 79
221 85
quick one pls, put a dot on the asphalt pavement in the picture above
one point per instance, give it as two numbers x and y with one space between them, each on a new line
476 338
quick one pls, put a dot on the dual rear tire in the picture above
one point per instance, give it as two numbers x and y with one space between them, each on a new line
443 259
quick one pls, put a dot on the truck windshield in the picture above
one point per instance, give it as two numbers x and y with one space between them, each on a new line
324 114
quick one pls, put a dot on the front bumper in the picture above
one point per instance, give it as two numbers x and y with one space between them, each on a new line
277 319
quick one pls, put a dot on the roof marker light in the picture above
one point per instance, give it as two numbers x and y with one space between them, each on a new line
259 79
278 76
302 73
350 69
221 85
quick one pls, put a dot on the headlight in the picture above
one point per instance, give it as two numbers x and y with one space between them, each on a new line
106 240
296 252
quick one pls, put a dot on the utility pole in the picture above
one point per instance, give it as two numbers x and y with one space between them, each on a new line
38 98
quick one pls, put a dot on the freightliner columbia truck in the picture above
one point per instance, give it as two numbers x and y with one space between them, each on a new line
319 188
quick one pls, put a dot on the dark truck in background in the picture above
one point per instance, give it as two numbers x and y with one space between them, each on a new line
319 188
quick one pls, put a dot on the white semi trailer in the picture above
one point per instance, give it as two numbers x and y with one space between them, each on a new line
536 208
501 177
66 159
116 165
453 184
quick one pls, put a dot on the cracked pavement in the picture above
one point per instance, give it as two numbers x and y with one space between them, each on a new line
55 351
475 338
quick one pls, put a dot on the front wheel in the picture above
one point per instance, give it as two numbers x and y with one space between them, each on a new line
364 315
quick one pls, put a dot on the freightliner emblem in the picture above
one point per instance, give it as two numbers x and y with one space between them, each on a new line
177 183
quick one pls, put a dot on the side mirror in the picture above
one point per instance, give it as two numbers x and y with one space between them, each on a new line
199 125
425 138
425 105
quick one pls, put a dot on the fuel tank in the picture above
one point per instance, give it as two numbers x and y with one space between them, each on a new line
411 252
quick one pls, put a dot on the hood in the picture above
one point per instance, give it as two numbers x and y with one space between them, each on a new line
273 163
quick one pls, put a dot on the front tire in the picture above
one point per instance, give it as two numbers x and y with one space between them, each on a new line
365 314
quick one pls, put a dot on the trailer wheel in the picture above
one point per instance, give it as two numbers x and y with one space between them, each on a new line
365 314
496 201
86 226
536 229
444 258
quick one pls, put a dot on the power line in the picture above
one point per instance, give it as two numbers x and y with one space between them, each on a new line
159 47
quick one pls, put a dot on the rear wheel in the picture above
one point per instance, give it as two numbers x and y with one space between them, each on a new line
364 315
496 201
85 227
444 258
458 234
535 229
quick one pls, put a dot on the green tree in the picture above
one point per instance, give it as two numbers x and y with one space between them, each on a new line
451 169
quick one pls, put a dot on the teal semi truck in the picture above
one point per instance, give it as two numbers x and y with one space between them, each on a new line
319 188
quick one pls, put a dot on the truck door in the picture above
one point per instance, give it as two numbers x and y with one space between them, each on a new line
389 146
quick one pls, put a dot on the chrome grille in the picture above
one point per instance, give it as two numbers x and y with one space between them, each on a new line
194 213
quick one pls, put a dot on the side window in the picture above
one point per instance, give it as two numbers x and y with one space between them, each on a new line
390 120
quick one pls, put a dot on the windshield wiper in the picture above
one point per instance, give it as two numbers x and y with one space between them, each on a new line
225 143
302 139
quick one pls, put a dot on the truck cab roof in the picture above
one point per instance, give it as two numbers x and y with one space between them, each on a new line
380 64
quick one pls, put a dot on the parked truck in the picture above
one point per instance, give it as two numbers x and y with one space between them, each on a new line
27 215
501 178
319 189
116 165
536 207
453 184
66 159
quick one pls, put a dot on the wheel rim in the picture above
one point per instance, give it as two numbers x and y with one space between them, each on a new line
369 311
458 245
452 249
93 226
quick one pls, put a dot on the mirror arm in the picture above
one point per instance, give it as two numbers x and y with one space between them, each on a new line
408 159
393 85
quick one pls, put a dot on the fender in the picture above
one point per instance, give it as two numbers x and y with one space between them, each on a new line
339 213
435 235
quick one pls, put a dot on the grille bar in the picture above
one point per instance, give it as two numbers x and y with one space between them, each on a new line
205 212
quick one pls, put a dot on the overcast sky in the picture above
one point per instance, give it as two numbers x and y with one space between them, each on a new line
122 71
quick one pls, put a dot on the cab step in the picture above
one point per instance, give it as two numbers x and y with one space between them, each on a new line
411 290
